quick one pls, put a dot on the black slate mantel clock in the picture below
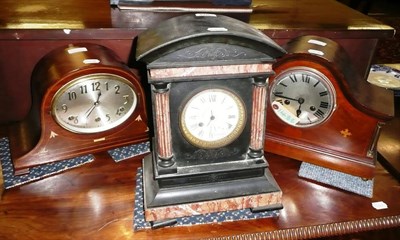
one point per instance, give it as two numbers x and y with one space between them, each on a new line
209 77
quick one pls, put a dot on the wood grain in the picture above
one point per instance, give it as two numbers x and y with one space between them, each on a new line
96 201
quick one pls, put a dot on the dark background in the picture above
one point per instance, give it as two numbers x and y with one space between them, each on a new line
388 12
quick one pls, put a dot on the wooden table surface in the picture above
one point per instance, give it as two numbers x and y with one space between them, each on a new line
96 201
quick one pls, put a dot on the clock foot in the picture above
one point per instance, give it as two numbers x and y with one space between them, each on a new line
272 207
163 223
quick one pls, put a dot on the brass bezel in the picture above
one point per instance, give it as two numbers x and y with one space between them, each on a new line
232 136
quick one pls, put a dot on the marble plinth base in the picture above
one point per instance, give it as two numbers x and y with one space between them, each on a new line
140 223
267 201
174 201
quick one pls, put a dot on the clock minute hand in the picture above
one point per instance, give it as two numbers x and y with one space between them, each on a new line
90 110
281 96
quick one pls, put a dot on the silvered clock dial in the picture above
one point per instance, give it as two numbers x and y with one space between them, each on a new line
213 118
94 103
302 97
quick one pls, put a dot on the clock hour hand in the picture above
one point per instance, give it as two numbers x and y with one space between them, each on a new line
212 117
298 111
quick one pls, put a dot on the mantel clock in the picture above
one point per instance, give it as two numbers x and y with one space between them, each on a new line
85 100
321 111
209 75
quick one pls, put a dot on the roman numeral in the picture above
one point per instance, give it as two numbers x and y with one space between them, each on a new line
319 113
201 133
316 83
282 84
223 100
305 78
293 78
323 105
324 93
212 98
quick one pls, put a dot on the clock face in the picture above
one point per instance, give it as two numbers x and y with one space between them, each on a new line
213 118
94 103
302 97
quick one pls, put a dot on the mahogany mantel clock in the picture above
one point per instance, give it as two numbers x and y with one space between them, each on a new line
85 100
321 111
209 76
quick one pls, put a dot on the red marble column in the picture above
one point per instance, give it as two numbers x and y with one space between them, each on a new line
258 117
163 126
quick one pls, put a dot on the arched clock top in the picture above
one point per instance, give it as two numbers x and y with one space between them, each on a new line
55 66
316 51
197 37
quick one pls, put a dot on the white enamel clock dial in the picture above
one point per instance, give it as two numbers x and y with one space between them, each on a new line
94 103
302 97
213 118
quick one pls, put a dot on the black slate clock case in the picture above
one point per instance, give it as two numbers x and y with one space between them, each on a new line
186 55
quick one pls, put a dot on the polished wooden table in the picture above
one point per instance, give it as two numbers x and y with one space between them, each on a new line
95 201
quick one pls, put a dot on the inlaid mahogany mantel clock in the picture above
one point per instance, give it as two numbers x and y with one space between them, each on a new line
209 76
85 100
321 111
